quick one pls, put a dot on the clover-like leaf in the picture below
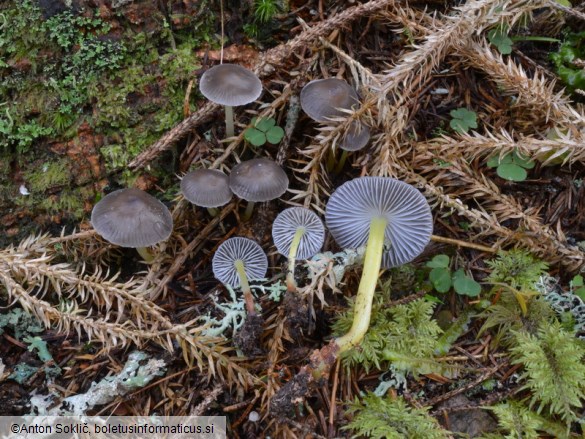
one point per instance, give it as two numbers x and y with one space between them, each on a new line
499 38
264 124
439 261
523 161
465 285
274 135
512 172
463 120
441 279
255 136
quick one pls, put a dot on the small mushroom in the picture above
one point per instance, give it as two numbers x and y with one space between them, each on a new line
230 85
235 261
323 99
393 220
297 232
206 188
132 218
258 180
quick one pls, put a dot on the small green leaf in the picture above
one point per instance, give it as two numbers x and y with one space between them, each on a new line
439 261
566 3
464 285
512 172
274 135
463 120
265 124
499 38
523 161
441 279
580 293
577 281
255 137
493 162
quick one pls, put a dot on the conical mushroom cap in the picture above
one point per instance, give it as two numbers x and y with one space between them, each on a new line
321 99
226 255
352 206
206 188
356 138
285 226
231 85
132 218
258 180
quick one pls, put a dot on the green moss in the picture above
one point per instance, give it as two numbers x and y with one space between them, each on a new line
50 175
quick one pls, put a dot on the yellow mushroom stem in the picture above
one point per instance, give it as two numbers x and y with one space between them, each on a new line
363 302
248 298
341 162
291 284
229 121
146 254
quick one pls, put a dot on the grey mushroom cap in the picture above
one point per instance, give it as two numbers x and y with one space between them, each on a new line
206 188
322 99
258 180
230 84
249 252
356 138
410 222
132 218
285 226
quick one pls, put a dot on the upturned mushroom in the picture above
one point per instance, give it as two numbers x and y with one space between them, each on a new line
132 218
297 232
258 180
230 85
392 219
235 262
207 188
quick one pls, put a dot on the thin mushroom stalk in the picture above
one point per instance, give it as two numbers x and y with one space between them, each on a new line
367 287
249 210
246 290
229 121
146 254
291 283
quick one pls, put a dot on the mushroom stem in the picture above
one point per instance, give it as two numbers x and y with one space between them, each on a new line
341 162
248 212
229 121
248 298
365 295
331 160
213 211
291 284
145 254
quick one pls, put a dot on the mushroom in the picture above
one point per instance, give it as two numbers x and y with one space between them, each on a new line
132 218
230 85
206 188
323 99
393 220
258 180
297 232
235 261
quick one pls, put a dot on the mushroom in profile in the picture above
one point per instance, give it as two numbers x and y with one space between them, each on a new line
206 188
132 218
297 232
258 180
230 85
323 99
235 262
392 219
